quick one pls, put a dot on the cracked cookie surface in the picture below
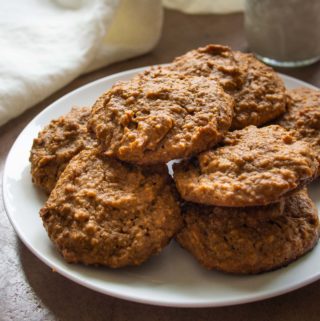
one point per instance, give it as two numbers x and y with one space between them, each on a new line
262 97
253 166
258 91
250 240
303 115
159 115
216 62
103 211
56 144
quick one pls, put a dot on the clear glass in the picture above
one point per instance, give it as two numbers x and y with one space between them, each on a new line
284 33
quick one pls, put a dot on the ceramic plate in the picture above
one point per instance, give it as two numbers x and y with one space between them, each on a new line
173 278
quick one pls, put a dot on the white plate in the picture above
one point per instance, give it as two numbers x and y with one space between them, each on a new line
173 278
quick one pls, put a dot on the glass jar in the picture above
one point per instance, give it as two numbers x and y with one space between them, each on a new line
284 33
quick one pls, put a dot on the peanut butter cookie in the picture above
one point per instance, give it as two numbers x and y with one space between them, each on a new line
251 240
253 166
214 61
158 116
56 144
303 115
262 96
103 211
258 91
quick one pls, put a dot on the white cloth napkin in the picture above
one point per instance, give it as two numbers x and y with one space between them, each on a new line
44 44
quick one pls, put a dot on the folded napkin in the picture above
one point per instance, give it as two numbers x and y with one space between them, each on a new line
47 43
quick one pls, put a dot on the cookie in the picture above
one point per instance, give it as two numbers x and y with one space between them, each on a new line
214 61
262 97
303 115
251 240
56 144
258 91
253 166
158 116
106 212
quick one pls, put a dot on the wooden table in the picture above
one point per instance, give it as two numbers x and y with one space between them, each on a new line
29 290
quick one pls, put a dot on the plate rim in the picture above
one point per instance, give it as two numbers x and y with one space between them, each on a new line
87 284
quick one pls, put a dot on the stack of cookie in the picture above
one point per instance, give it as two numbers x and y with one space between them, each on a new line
241 207
256 216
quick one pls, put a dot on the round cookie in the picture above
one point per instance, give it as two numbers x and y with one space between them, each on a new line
56 144
103 211
254 166
159 115
215 61
251 240
262 96
258 91
303 115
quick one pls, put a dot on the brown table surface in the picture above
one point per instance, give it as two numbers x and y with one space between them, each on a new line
29 290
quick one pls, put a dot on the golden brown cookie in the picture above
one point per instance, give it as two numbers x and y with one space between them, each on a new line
251 240
56 144
158 116
214 61
103 211
262 96
303 115
253 166
258 91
